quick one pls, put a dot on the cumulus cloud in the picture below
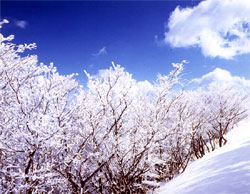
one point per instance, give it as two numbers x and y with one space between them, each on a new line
221 28
102 51
21 23
145 87
222 77
158 41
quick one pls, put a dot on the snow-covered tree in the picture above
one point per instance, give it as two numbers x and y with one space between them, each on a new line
116 135
227 105
35 111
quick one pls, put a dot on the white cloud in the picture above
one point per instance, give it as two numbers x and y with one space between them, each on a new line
221 28
158 41
21 23
145 87
102 51
222 77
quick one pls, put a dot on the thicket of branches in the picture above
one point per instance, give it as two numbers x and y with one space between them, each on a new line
115 136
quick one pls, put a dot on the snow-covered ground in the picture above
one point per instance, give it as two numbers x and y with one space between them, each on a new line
224 171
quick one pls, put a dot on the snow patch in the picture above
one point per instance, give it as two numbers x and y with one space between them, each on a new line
224 171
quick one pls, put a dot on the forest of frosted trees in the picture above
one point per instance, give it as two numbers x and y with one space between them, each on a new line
115 135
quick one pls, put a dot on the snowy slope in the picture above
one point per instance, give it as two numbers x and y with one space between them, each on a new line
224 171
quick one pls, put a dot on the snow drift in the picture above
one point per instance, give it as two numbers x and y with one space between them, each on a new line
224 171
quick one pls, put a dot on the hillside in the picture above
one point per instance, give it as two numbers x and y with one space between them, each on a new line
224 171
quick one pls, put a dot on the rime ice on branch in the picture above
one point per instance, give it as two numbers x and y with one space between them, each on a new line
116 136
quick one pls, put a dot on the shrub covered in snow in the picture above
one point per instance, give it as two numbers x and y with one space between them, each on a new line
116 136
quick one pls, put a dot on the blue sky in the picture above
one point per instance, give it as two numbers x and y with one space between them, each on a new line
88 35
